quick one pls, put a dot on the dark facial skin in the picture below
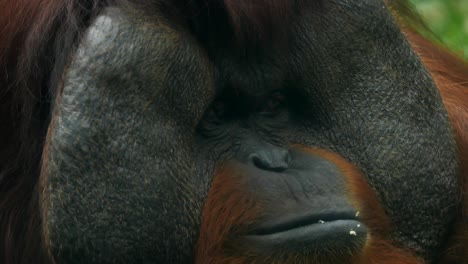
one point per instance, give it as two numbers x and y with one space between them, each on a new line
148 113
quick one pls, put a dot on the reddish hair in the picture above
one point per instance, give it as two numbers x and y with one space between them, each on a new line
260 18
36 38
240 23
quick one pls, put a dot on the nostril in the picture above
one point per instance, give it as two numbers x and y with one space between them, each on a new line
278 162
285 157
258 161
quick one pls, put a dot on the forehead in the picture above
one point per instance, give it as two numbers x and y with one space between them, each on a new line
311 29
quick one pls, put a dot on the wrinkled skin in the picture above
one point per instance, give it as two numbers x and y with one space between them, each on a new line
134 144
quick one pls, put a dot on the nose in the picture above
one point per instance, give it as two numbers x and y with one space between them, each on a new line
269 157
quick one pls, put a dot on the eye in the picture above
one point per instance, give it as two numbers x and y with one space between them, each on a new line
219 109
275 103
216 112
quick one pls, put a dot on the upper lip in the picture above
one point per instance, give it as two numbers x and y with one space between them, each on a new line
286 223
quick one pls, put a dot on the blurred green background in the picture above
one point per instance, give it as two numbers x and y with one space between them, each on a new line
448 19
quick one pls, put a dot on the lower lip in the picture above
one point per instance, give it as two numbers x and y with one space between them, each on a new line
318 237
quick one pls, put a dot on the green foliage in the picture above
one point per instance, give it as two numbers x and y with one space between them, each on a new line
448 19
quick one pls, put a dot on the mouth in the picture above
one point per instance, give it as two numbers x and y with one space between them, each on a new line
318 233
285 224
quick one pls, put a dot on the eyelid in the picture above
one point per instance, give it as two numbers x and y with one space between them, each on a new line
219 109
274 103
